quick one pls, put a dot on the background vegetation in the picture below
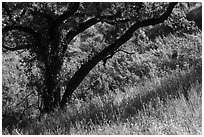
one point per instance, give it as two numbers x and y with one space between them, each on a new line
142 89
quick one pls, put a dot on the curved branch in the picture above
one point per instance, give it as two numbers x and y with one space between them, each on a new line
82 27
17 47
127 52
23 29
85 25
20 28
66 14
128 34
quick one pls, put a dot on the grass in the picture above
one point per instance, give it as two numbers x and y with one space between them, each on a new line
159 106
169 102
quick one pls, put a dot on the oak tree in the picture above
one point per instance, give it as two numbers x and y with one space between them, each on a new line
48 29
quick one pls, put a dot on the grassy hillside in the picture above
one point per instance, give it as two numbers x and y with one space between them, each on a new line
130 113
152 94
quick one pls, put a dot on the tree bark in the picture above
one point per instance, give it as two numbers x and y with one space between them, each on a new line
51 92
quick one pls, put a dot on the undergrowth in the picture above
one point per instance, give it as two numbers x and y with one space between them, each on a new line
147 109
148 93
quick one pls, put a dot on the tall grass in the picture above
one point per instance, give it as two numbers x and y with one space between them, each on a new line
160 107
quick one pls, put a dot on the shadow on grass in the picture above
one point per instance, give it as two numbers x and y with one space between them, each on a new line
172 87
107 111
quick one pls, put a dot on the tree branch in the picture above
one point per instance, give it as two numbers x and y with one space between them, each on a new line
87 67
128 34
127 52
66 14
20 28
23 29
20 47
85 25
82 27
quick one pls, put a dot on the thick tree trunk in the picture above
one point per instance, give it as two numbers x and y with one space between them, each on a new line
51 93
53 62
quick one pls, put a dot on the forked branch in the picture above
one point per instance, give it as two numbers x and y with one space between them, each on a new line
67 14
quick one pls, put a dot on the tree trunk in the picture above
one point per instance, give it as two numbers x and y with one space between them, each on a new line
51 93
53 63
